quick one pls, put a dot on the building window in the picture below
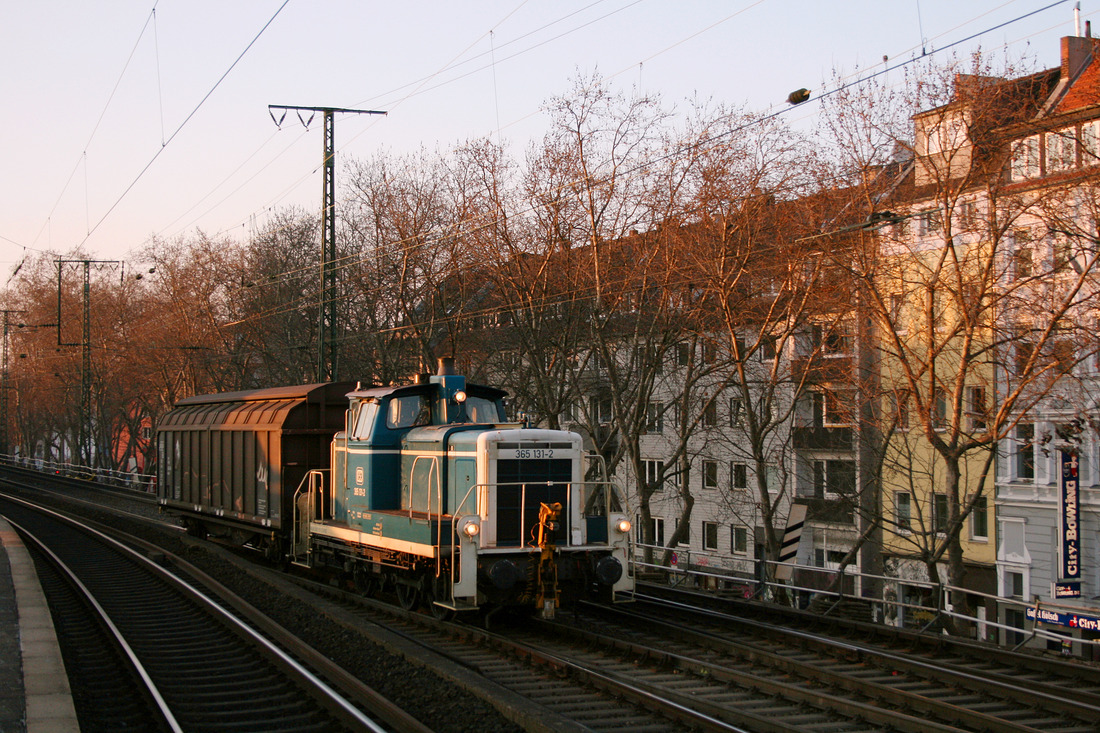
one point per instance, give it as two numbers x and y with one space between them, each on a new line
834 478
1025 159
735 412
1024 349
657 524
836 342
839 406
939 513
903 510
710 352
683 354
1061 150
939 410
739 475
968 214
1014 585
898 409
897 313
654 417
652 471
979 519
1015 618
1062 251
710 535
1022 258
976 407
710 474
929 222
599 409
1025 451
739 540
767 347
710 414
1090 151
945 134
1063 355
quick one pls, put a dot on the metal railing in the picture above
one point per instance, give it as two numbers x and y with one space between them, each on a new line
904 602
127 479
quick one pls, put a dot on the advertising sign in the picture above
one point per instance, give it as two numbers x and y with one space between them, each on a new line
1072 620
1069 582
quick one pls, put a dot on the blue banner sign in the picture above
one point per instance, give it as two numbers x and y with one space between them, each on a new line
1067 589
1072 620
1069 583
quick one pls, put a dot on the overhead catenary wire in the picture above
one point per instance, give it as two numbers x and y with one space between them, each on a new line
82 157
183 124
418 85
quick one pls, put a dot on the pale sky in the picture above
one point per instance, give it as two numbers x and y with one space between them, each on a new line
116 128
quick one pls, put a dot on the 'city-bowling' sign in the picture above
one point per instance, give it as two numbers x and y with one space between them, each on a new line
1069 582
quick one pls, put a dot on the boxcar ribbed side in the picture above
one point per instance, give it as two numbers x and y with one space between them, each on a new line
232 461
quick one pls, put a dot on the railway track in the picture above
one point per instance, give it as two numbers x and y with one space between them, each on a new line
549 692
721 653
1044 674
200 667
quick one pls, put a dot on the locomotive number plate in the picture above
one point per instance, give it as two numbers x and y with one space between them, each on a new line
534 453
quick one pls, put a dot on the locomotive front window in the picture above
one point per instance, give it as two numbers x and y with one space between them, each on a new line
408 411
481 410
367 413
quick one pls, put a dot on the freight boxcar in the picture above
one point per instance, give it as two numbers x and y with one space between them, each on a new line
228 464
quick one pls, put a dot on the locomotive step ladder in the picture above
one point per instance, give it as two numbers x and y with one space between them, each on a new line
307 494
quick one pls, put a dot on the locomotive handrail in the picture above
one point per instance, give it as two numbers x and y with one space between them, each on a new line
611 486
313 480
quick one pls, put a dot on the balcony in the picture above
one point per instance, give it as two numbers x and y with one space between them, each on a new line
823 438
818 369
828 511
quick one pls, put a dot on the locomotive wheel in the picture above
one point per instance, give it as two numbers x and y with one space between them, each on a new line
368 584
438 591
408 595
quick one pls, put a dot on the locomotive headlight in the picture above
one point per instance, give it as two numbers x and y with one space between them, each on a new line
460 396
623 525
470 527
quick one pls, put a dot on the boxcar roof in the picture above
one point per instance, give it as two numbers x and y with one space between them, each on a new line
310 392
307 407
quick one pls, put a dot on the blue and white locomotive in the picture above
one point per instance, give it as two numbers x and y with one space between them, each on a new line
425 489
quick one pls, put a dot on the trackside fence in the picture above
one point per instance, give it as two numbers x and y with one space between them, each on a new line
902 602
126 479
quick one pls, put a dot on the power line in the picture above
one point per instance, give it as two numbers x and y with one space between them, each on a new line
183 124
